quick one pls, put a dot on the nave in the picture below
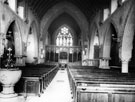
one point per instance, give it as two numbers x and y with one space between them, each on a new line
95 39
57 91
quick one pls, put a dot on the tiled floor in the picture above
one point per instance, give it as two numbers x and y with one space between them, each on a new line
57 91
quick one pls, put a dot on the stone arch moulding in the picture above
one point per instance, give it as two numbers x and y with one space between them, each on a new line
107 39
107 43
115 26
60 8
34 27
118 34
91 46
18 37
128 35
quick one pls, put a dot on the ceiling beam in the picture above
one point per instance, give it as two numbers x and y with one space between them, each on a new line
34 3
48 7
40 7
43 9
39 4
29 2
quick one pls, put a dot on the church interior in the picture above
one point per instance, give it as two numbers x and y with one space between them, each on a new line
67 50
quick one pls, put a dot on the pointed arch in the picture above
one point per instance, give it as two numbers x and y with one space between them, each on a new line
94 32
115 26
127 40
58 9
17 36
107 40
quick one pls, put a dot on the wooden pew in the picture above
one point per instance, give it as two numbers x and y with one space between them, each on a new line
91 84
36 78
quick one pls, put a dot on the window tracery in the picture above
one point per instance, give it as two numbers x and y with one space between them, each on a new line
64 37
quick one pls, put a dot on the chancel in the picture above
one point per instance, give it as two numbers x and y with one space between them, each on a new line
67 50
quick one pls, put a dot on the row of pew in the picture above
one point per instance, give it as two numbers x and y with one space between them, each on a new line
35 79
91 84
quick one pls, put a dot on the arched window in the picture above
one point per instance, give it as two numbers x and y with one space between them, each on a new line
64 37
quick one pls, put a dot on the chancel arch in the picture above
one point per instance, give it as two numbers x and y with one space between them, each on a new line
64 40
67 20
60 8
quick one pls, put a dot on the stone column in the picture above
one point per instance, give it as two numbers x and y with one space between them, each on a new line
2 37
24 60
19 60
35 60
125 66
104 63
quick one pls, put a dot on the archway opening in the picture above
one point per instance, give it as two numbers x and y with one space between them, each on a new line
68 10
114 52
64 35
64 19
9 45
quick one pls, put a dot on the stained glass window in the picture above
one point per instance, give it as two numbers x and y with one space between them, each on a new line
64 37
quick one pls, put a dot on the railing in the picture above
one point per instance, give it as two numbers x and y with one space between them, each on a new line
55 53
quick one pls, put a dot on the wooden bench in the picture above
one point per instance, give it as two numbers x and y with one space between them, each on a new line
91 84
36 79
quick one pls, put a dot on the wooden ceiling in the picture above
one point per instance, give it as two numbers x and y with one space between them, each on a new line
88 7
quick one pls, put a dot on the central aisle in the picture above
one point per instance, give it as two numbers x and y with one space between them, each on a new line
57 91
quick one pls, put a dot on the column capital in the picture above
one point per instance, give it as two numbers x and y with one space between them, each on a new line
125 65
104 63
125 60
